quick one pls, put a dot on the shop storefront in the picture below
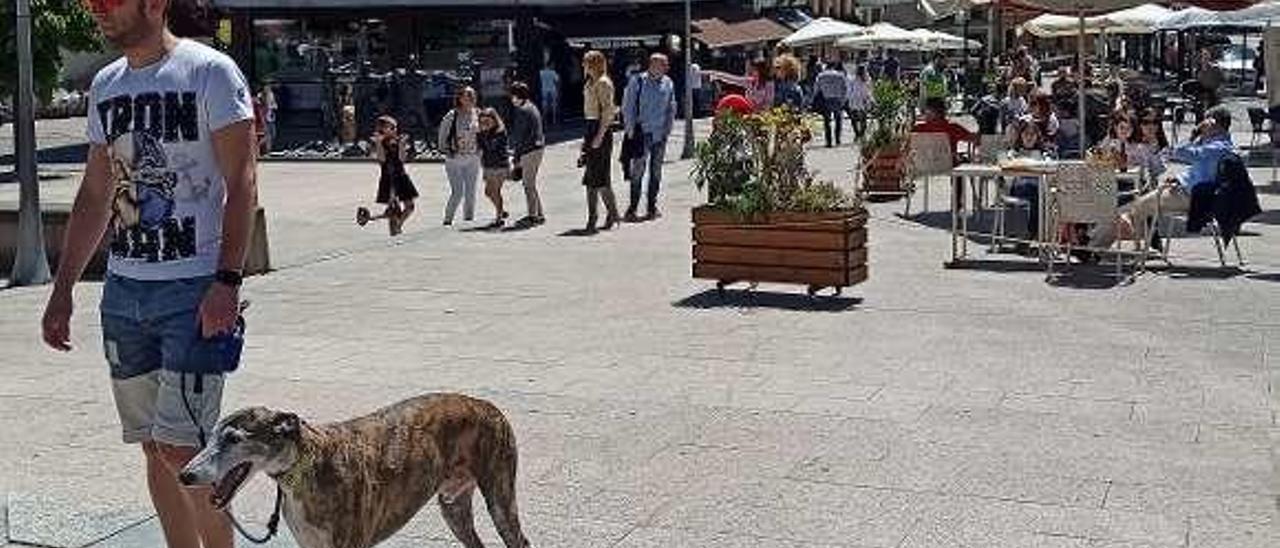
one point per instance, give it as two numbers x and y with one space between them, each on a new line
407 57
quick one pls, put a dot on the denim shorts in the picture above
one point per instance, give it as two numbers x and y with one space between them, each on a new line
151 341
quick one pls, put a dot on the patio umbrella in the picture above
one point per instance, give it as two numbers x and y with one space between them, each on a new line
1081 9
1192 18
1255 16
1142 19
937 40
822 31
885 35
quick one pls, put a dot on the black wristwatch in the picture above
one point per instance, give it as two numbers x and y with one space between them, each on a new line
231 278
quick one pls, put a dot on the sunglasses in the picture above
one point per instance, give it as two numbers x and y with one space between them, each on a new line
102 6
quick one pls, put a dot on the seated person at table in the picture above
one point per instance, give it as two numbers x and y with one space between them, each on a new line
1149 143
1031 144
1212 143
935 121
1040 110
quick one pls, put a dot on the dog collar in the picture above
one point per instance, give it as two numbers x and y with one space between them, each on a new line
292 477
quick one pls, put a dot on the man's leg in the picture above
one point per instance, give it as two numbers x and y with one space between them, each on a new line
637 178
187 410
826 124
837 113
657 151
529 165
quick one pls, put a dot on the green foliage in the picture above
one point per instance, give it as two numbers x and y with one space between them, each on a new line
55 25
889 114
755 164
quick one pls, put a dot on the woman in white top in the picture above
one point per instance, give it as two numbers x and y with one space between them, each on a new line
461 155
859 95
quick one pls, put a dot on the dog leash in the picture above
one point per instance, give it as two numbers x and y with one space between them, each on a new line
273 522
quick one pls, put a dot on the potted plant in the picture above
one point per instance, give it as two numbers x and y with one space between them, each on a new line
885 149
768 219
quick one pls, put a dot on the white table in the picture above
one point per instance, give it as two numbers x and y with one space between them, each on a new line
962 173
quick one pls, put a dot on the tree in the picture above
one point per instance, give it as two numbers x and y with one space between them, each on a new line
58 25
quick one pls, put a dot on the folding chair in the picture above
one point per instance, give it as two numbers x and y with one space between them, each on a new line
930 155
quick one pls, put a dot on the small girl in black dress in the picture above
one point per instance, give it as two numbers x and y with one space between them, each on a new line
395 189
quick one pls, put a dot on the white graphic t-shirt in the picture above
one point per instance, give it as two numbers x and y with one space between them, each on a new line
169 194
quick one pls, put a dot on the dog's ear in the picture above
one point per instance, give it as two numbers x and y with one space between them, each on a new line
286 425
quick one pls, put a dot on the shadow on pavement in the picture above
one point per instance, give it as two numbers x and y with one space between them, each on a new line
712 298
1184 272
67 154
1271 217
578 233
1023 265
1087 277
1268 277
12 176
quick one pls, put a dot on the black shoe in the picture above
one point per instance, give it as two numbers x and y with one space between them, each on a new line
652 214
631 217
1157 243
496 224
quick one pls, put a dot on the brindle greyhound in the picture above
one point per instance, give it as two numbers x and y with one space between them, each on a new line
353 484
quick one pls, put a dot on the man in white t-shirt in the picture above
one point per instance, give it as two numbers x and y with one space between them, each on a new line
170 178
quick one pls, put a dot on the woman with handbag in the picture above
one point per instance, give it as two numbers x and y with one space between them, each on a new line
597 143
461 154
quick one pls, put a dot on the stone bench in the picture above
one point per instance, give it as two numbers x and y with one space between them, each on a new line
55 218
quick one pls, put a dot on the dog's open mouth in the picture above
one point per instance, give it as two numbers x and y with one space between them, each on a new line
225 489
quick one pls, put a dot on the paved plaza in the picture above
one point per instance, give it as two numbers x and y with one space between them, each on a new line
928 408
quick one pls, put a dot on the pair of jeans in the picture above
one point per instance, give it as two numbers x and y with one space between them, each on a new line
655 151
166 378
833 112
462 171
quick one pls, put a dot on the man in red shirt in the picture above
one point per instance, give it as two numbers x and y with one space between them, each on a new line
935 121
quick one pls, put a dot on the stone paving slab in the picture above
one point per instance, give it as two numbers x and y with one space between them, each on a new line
930 407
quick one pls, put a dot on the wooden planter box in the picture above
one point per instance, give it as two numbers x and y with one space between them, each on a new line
885 169
815 249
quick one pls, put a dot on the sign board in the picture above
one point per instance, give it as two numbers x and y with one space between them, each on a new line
1271 63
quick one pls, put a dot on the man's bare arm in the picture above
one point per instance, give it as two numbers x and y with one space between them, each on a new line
233 147
88 221
89 217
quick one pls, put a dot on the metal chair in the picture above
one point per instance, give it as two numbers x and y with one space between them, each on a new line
930 156
1079 194
1165 220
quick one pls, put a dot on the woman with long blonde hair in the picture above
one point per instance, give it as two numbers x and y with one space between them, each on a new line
597 143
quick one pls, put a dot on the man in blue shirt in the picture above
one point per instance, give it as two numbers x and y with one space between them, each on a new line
1203 155
649 106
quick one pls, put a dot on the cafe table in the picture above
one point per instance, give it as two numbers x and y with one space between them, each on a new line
1011 168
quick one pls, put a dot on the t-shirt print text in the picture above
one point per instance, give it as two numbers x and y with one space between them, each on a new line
143 223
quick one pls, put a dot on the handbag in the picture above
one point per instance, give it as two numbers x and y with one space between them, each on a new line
633 141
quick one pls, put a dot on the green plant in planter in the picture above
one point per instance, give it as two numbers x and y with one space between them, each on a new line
889 116
754 164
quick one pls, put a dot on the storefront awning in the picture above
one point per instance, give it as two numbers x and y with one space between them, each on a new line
715 33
